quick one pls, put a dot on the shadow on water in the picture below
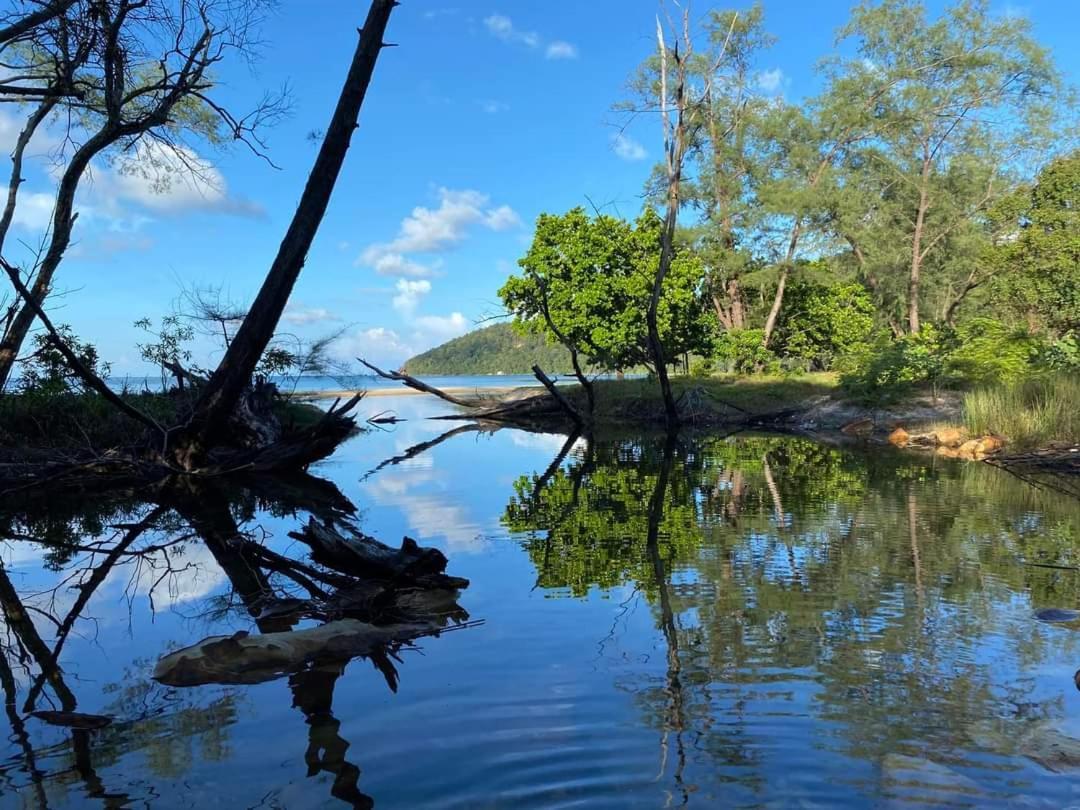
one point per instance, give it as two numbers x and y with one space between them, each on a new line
828 623
348 598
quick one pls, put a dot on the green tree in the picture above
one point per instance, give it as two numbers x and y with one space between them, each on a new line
586 282
966 99
1041 251
822 325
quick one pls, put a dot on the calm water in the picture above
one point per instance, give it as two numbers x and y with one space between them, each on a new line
751 621
365 382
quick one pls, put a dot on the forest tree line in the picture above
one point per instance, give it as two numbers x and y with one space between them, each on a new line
914 221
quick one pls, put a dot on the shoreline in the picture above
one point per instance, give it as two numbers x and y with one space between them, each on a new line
479 393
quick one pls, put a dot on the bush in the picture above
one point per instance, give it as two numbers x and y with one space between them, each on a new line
824 327
1063 354
1032 412
980 352
895 365
744 352
702 367
988 351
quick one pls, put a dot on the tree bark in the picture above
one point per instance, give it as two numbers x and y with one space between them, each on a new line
233 374
564 403
915 280
25 24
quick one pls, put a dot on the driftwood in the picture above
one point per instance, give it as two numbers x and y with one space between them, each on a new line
418 385
539 409
564 403
246 659
366 556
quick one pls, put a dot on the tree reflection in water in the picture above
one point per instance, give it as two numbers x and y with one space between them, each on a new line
788 577
852 602
144 539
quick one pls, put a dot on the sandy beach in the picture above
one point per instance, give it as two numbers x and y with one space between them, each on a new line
407 392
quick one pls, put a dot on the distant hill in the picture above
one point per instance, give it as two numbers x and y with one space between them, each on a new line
492 350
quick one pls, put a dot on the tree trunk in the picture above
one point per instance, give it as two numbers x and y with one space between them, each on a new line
233 374
63 222
781 284
916 246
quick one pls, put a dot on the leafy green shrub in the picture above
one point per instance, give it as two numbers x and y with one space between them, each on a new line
981 351
897 364
825 326
744 352
702 367
1063 354
45 371
988 351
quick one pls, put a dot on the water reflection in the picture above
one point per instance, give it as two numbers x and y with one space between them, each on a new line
879 605
347 598
677 620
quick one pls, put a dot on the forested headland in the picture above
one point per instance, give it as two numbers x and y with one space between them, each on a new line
495 349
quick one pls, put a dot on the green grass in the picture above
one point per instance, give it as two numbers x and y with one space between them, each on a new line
726 397
1034 412
81 421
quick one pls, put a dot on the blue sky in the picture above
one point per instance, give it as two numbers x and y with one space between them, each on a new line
487 114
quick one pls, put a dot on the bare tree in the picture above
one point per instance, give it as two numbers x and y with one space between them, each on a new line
139 75
232 377
680 117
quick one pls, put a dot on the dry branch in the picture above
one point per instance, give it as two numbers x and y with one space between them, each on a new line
417 385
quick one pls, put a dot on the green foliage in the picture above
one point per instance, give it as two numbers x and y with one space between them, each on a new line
898 364
953 96
989 351
823 327
586 283
1030 412
46 372
744 351
979 351
497 349
1042 252
702 367
1063 354
171 344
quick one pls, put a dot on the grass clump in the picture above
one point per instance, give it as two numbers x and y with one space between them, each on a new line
1033 412
725 397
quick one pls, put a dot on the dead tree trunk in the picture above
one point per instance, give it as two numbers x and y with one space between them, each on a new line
564 403
233 374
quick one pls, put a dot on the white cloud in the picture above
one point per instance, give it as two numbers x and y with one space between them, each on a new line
491 107
34 210
394 264
167 180
409 295
442 328
299 315
627 148
561 50
502 27
380 345
428 230
10 126
771 80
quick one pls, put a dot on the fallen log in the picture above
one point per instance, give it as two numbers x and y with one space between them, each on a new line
417 385
564 403
246 659
365 556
